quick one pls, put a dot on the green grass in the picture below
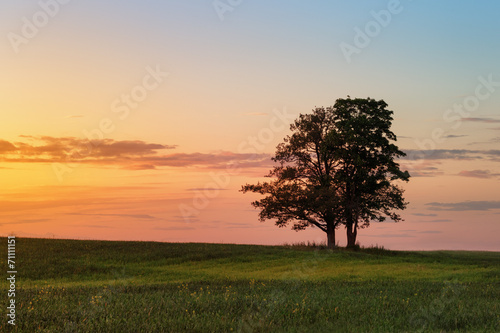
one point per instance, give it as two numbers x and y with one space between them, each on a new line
97 286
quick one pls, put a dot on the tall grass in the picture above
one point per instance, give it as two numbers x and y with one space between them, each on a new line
94 286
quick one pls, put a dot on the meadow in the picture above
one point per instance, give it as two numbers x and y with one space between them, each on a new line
101 286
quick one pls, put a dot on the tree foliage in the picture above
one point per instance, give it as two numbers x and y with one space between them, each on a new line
337 168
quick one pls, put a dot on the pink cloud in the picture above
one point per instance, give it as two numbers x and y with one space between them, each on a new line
478 174
130 155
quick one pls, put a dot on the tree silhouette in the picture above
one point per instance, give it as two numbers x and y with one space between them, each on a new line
337 168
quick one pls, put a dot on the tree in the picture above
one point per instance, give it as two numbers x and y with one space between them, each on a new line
337 168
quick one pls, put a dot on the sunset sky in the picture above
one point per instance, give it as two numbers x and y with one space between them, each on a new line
185 101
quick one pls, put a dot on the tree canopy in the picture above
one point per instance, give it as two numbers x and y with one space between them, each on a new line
338 167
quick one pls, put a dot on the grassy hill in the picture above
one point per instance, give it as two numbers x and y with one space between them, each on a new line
98 286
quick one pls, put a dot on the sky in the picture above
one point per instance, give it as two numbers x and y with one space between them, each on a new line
141 120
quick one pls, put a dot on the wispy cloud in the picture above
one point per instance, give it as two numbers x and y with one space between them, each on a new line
174 228
206 189
440 154
392 236
427 169
235 225
140 167
482 120
135 216
97 226
217 159
422 214
451 154
433 221
464 205
453 136
25 221
494 140
485 174
183 219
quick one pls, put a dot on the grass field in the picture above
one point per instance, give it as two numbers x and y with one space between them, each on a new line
97 286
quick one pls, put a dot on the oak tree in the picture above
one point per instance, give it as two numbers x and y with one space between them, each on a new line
337 168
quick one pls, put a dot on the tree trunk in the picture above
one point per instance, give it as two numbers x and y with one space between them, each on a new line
352 232
330 235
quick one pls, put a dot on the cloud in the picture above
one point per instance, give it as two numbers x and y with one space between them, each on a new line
391 236
174 228
425 174
25 221
110 148
490 141
464 206
6 146
422 214
217 160
440 154
482 120
130 155
485 174
452 136
184 219
140 167
433 221
51 149
425 170
135 216
206 189
451 154
96 226
259 161
430 232
235 225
